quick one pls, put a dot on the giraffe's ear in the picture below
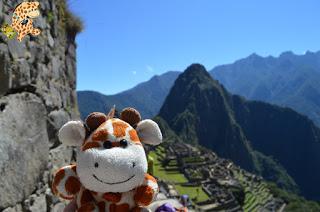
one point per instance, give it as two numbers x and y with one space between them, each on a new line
149 132
72 133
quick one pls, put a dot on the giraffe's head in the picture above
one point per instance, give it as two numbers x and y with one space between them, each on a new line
111 157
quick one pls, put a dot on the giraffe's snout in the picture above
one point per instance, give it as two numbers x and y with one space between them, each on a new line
116 161
113 168
96 165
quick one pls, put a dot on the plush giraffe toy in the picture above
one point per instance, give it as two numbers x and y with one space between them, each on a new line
111 169
22 19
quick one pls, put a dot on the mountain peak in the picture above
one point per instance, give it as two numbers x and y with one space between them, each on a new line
287 54
196 107
254 56
201 112
151 96
196 70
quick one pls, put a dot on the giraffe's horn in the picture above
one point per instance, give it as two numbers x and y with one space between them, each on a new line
112 112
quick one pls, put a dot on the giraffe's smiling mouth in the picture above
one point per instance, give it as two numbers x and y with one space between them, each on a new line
113 183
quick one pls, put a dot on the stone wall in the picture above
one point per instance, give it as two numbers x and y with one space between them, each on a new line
37 96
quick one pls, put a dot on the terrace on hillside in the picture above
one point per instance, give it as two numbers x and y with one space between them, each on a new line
212 183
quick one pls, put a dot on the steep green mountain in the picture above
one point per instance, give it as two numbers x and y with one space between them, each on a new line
147 97
276 142
289 137
197 110
288 80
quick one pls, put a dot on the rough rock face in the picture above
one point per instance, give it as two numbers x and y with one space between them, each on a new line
23 145
37 96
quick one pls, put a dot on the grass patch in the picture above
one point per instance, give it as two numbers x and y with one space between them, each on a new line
193 160
160 172
177 178
191 191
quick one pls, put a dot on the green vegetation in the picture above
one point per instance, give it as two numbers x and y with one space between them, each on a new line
200 111
50 17
294 202
273 171
168 134
73 23
272 80
194 174
256 194
172 175
192 191
68 21
193 160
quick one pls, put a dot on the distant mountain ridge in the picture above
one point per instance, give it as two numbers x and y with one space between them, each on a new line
288 80
147 97
276 142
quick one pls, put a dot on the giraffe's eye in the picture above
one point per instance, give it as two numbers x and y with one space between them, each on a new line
107 144
123 143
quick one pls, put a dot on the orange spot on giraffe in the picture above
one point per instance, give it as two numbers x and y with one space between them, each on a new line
90 145
87 207
119 208
149 177
112 197
94 193
134 136
102 206
74 168
86 197
100 135
72 185
136 209
65 197
58 177
144 195
119 128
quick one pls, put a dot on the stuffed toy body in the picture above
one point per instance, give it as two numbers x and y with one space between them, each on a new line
111 169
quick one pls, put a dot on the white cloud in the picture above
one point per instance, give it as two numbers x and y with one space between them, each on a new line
149 68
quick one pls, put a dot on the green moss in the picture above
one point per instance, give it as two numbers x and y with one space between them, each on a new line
67 20
73 23
50 17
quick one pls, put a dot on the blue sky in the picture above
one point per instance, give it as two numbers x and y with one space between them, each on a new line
126 42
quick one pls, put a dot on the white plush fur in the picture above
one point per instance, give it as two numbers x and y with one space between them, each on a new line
115 166
119 169
72 133
149 132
